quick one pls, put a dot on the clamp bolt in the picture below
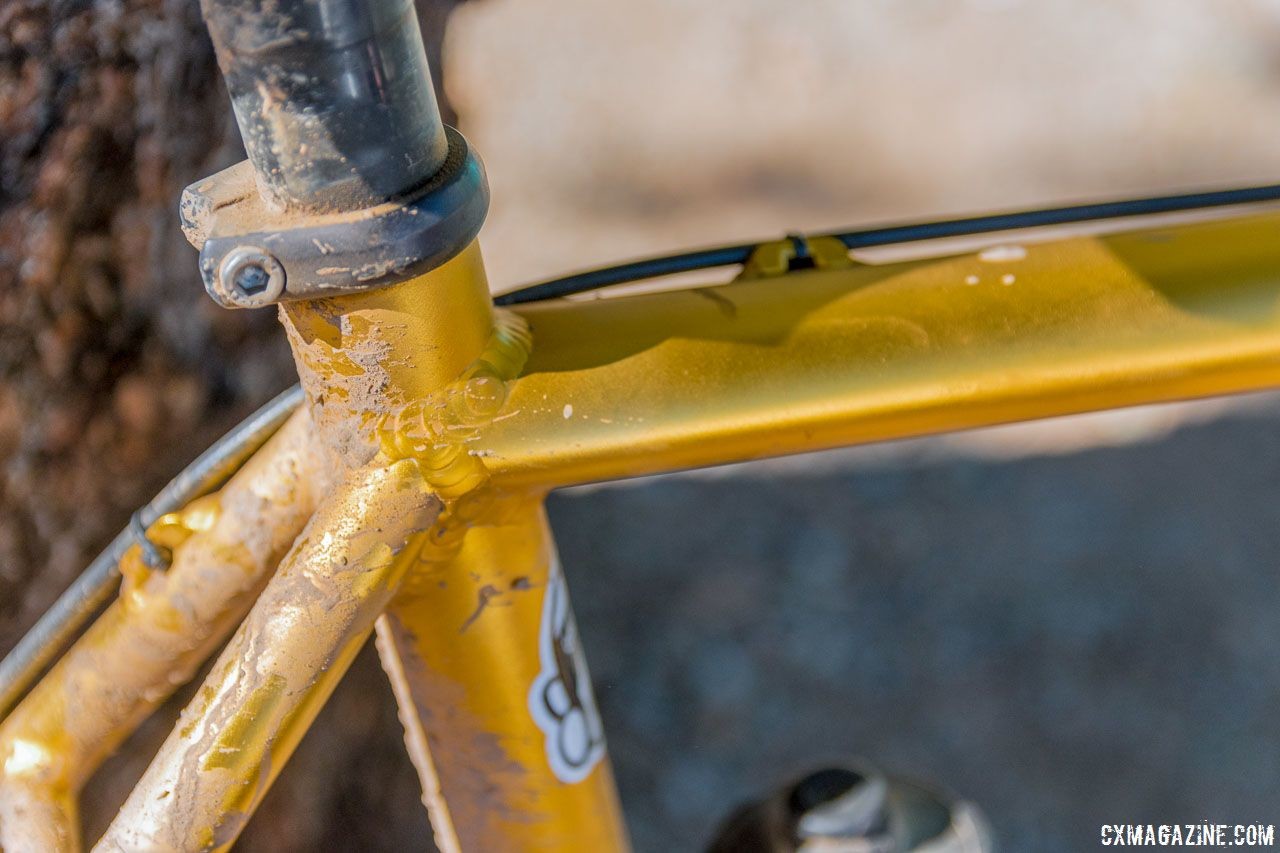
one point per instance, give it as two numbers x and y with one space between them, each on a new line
251 276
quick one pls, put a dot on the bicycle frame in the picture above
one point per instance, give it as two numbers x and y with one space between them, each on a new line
406 498
613 387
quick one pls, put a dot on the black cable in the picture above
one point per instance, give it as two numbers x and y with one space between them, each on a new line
889 235
1055 216
634 271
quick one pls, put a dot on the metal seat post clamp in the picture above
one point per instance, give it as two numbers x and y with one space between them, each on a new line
253 255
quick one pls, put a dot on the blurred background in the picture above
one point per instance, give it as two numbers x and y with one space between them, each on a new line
1069 623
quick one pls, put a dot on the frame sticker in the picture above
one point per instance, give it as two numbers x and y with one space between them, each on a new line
560 699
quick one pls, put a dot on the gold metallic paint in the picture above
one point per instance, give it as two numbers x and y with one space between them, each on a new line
631 385
461 647
452 431
363 356
153 637
283 662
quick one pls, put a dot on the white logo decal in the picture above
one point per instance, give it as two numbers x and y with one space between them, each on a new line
560 699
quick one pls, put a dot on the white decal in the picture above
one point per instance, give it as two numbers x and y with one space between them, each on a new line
560 698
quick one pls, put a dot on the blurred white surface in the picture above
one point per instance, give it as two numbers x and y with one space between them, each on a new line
615 129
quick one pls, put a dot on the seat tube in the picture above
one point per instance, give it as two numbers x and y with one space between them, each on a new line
500 720
357 212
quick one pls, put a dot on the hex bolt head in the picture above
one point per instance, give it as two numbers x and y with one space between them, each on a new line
250 277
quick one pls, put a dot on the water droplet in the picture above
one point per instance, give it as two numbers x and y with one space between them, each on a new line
1007 279
1002 254
568 411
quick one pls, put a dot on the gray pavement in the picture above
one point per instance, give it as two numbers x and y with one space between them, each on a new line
1066 640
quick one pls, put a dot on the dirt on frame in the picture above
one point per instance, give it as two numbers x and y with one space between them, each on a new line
116 368
1014 628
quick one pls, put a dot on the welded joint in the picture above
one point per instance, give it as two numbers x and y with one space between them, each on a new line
438 433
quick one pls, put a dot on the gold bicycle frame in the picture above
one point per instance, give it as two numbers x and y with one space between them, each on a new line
445 422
